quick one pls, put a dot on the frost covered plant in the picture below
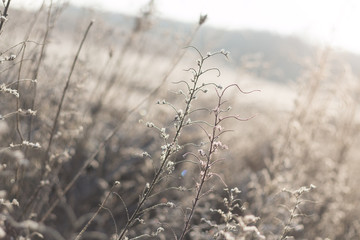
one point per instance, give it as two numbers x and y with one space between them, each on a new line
171 136
27 144
295 211
165 164
234 226
6 89
4 15
206 158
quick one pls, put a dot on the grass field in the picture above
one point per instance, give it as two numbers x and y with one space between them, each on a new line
121 133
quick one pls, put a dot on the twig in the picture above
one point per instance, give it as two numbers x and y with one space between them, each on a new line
78 237
4 15
35 76
63 95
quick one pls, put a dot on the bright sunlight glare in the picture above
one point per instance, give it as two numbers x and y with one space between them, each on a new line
329 22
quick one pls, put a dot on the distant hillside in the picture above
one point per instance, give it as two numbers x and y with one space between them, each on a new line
268 55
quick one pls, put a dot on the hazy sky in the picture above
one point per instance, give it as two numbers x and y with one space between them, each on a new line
334 22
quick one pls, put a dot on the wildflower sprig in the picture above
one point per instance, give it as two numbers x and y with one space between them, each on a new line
295 211
206 158
6 89
20 111
27 144
234 224
171 144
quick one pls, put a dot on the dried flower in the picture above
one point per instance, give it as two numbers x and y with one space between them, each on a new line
150 125
202 19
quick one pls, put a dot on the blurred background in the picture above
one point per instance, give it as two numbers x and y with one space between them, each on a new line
274 41
321 22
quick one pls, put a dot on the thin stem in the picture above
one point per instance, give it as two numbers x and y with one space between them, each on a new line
18 99
36 73
23 48
63 95
78 237
168 153
4 15
204 175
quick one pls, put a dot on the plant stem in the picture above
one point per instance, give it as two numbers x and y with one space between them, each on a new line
47 157
167 155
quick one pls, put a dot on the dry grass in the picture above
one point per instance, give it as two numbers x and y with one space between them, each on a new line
86 153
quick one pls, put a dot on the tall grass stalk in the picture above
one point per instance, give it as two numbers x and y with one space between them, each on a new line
38 64
214 145
4 15
169 148
53 129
